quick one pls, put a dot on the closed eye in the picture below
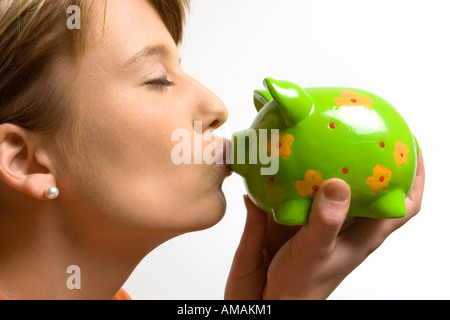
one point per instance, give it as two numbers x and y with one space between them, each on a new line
161 82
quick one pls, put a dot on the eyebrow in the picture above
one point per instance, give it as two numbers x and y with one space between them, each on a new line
146 53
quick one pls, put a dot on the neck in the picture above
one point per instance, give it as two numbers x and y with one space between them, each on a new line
38 249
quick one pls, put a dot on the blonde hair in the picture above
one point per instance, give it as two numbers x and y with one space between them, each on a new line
33 37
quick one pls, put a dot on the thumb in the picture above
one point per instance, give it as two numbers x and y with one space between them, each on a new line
328 213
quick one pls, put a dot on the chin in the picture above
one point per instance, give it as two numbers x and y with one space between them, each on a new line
211 213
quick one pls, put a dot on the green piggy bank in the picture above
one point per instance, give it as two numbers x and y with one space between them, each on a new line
302 137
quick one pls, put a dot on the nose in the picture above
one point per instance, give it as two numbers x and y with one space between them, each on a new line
209 108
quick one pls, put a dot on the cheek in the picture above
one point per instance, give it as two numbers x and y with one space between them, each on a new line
126 174
174 201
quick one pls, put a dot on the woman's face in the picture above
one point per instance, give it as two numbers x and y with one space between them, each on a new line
131 95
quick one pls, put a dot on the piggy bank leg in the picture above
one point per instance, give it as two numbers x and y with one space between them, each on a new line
293 211
390 205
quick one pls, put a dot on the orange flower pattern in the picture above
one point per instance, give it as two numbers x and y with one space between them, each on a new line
310 183
283 146
401 153
350 98
379 181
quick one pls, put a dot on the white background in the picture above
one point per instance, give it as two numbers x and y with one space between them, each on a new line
398 49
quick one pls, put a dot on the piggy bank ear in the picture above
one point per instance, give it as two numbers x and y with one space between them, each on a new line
260 98
295 104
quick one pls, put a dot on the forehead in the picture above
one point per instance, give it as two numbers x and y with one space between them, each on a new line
122 29
145 53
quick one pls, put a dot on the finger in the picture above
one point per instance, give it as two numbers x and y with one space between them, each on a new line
365 235
254 235
278 235
251 247
414 199
328 213
249 268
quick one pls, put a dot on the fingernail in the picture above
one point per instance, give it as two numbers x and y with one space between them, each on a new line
336 191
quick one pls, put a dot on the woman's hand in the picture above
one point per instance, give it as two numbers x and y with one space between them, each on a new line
284 262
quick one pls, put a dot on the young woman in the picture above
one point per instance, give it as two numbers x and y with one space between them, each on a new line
86 175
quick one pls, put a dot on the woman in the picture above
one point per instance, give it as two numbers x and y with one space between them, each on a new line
86 173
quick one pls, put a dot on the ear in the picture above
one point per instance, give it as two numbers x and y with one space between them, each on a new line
260 98
295 104
24 165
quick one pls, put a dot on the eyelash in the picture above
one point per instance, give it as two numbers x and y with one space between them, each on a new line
159 83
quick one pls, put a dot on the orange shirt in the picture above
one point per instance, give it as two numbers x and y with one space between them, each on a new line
122 295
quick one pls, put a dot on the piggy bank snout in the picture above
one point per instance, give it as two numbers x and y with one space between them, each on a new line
240 151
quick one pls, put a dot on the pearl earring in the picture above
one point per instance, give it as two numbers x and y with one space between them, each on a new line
51 193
